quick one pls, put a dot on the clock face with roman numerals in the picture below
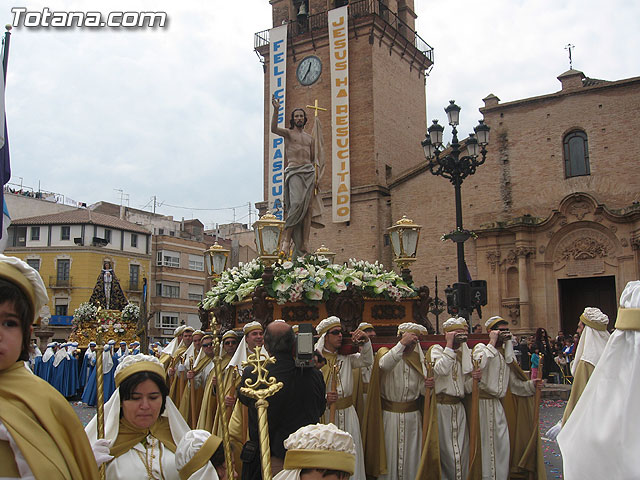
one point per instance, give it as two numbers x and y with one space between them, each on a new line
309 70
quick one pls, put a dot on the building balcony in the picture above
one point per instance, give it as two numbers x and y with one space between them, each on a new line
56 282
401 34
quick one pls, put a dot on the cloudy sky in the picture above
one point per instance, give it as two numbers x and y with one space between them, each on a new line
176 112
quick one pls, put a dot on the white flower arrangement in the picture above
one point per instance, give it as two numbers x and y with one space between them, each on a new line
131 312
85 312
310 279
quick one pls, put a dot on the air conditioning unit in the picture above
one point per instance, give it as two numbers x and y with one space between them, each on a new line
98 242
78 241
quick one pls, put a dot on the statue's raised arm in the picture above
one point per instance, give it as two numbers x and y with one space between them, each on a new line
283 132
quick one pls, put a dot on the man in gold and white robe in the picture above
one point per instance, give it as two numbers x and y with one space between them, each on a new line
346 417
397 382
497 376
452 374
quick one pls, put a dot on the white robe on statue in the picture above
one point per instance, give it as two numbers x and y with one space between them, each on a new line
400 382
454 380
494 431
347 418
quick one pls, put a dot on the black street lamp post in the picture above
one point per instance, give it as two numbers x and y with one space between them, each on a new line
457 164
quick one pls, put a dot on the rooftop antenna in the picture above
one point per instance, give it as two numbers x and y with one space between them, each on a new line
123 196
568 47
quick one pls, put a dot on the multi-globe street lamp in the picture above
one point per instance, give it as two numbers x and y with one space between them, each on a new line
455 163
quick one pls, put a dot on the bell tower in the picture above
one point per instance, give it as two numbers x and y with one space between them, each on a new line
387 65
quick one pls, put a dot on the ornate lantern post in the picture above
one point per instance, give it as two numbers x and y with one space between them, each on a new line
404 241
455 166
216 258
268 230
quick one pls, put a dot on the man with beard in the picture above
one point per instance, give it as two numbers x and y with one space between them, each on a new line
301 178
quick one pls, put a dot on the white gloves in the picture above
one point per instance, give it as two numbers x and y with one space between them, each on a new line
101 449
554 431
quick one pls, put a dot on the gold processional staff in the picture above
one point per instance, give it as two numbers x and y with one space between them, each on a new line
215 327
260 389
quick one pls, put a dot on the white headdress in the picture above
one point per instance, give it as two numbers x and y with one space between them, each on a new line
323 327
241 352
509 356
418 330
365 326
173 345
61 354
48 353
457 323
591 449
318 446
593 339
129 365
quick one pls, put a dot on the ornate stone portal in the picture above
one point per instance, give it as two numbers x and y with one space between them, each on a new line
526 258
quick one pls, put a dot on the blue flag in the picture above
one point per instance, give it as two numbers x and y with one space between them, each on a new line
5 165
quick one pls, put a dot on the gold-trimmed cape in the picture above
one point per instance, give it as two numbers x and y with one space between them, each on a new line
526 459
430 467
44 426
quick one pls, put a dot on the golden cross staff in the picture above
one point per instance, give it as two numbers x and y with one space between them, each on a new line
228 457
315 108
427 400
260 389
335 371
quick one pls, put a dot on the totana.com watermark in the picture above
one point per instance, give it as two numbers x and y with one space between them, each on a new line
60 19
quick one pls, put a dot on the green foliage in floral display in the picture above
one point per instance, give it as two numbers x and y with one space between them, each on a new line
310 279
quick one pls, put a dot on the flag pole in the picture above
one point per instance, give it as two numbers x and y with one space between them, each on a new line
5 51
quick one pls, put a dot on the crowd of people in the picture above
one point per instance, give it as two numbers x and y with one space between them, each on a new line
450 411
556 354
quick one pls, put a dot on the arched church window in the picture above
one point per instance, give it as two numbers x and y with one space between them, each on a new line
576 154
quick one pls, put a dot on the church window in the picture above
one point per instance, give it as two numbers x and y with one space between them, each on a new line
576 154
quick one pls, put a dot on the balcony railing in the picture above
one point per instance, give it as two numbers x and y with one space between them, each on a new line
359 9
61 320
58 282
